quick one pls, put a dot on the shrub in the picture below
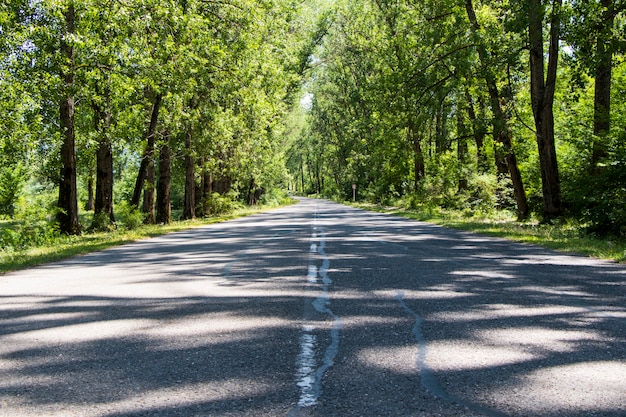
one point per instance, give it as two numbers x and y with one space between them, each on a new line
11 183
603 200
274 197
127 216
216 204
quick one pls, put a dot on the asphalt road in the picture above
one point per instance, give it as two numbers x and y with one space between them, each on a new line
315 310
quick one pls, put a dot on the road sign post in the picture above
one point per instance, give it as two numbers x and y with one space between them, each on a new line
354 192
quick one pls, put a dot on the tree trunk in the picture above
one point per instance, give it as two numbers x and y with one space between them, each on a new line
542 99
418 156
147 160
462 149
252 193
478 132
602 93
164 185
505 156
90 191
189 210
68 196
149 192
104 162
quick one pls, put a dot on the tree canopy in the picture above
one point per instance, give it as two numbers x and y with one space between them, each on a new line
154 107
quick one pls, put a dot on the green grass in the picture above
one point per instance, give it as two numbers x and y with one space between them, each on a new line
65 247
564 237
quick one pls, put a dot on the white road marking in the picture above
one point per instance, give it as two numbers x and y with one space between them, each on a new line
309 372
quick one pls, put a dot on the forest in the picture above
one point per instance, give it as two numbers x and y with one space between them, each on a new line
144 111
472 105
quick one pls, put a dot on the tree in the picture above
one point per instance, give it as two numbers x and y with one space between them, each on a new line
595 21
68 195
164 184
505 156
542 89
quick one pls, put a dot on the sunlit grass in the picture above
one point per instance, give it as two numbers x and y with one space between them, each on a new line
565 237
68 246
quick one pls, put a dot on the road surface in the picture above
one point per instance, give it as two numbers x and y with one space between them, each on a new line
315 310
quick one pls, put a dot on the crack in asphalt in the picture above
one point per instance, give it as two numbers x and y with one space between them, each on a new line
428 378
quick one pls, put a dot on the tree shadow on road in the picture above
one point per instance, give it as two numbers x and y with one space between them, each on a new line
209 322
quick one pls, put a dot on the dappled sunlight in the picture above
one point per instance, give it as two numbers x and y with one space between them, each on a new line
357 323
427 294
465 355
364 309
398 359
583 387
156 400
206 329
555 259
539 339
482 274
500 311
554 290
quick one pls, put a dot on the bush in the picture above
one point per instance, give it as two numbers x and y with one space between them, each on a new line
274 197
216 204
127 216
30 230
11 183
101 222
604 201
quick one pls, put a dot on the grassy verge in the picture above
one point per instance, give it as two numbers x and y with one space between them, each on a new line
69 246
564 237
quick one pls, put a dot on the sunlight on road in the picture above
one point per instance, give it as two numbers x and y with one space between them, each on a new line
573 388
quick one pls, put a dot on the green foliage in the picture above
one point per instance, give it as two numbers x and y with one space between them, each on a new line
216 204
275 197
11 183
600 201
33 223
128 217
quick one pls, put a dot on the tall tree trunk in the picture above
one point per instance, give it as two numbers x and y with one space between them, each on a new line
478 132
147 160
90 190
542 88
207 190
149 193
68 196
418 156
252 193
462 149
164 185
189 210
103 203
602 93
505 157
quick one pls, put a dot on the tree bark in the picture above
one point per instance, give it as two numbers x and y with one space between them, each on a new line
90 190
103 203
149 193
505 157
189 210
145 176
462 148
163 205
478 132
418 156
542 88
602 93
68 196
